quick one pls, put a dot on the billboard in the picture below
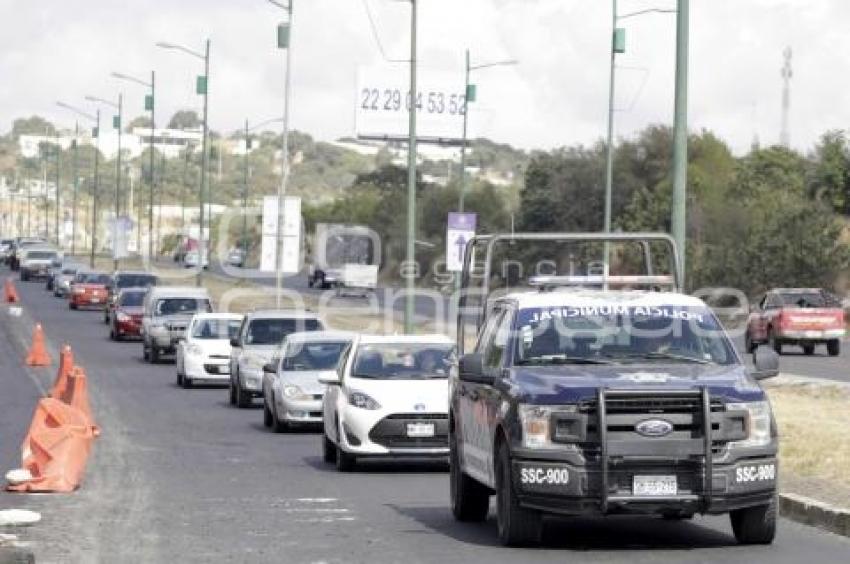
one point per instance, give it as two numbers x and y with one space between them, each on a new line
384 100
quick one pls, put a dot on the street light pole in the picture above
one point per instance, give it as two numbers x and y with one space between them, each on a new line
680 137
56 209
201 87
117 186
284 42
462 199
409 271
150 104
76 189
96 192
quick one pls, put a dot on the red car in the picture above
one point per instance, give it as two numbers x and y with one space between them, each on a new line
125 317
805 317
88 290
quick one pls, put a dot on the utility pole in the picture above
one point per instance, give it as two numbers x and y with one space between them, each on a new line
76 189
244 243
58 189
787 73
96 193
409 271
680 137
284 41
206 163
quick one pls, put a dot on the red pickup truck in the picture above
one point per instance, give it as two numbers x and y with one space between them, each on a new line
796 316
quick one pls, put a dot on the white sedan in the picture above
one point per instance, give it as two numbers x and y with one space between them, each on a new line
292 392
204 355
390 401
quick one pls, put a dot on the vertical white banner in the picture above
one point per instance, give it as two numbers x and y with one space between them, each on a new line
291 252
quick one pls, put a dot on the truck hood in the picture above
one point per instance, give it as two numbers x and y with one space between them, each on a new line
572 384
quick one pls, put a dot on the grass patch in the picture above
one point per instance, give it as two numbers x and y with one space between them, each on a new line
813 422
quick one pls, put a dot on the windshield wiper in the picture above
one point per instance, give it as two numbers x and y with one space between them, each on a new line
562 359
666 356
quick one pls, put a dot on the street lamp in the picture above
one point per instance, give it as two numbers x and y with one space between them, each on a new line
248 130
618 45
284 41
149 105
116 124
201 87
470 94
96 134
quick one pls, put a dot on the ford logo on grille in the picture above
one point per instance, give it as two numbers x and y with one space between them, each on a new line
654 428
419 407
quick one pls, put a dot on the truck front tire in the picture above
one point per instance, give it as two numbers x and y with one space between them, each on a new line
833 347
517 525
470 499
755 525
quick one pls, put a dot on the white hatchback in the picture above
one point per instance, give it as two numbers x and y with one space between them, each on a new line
292 391
389 399
204 355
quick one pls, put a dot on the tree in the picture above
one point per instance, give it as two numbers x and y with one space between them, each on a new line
185 119
34 125
139 121
830 174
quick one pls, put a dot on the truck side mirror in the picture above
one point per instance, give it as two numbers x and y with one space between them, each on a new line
234 342
767 363
471 369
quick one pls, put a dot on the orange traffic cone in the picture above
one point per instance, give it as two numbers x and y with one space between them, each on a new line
11 293
55 451
38 353
66 367
76 395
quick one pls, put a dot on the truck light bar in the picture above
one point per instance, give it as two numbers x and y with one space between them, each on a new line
544 282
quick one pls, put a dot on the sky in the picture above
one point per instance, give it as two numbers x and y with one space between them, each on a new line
556 94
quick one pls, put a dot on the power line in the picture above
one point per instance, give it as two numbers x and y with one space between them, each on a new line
376 36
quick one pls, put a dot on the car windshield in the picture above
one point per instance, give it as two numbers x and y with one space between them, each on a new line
132 299
216 329
620 334
93 278
403 361
313 356
274 331
135 280
181 306
41 255
806 299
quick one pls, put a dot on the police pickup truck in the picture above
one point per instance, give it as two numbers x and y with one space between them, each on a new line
579 398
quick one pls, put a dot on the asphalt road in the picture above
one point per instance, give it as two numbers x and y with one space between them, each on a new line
179 475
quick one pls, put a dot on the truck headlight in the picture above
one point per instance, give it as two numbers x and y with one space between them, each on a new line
194 350
758 425
363 401
536 422
122 317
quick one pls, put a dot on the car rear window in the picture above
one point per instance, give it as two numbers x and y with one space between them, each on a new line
41 255
135 280
274 331
807 299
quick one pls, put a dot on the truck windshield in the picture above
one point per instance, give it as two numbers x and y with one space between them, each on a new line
313 356
181 306
403 361
41 255
620 334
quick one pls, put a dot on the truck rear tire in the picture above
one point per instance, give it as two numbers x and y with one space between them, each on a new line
833 347
328 450
755 525
517 525
470 499
774 341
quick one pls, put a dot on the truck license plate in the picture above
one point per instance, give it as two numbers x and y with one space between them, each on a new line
420 430
654 485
